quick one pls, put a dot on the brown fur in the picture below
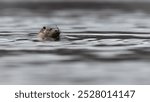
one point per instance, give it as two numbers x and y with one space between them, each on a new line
49 33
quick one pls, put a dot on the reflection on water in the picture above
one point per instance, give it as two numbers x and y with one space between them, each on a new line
96 47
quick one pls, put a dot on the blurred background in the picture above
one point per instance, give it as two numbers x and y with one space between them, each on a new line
70 0
102 42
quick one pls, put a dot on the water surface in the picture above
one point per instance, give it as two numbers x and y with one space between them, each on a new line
103 46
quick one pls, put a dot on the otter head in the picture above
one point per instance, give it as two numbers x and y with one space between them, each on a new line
48 33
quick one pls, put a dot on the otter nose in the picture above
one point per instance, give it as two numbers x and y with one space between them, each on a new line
50 29
56 30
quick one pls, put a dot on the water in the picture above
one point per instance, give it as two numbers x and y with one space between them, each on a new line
104 46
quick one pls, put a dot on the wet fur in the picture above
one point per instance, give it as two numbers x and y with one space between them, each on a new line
47 33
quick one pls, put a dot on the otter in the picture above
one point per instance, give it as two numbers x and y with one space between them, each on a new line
49 33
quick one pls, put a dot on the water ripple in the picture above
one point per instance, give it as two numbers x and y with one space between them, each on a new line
96 47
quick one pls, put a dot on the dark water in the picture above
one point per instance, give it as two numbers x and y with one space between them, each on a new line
97 47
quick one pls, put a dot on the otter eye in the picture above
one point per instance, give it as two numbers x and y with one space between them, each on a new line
44 27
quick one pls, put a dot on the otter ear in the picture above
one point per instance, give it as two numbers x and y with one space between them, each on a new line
44 27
